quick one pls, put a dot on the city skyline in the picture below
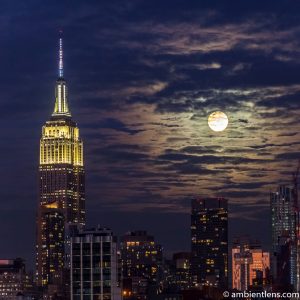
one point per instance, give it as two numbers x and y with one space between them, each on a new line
142 97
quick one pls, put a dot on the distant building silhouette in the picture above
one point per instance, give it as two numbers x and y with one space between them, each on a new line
13 278
177 272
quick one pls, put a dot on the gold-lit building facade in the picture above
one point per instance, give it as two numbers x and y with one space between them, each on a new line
61 186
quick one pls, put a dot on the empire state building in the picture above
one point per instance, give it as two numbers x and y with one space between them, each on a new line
61 186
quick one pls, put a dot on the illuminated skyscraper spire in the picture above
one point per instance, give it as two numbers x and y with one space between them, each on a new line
60 58
61 107
61 192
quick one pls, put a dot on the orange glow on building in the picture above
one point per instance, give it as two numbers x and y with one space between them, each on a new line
250 264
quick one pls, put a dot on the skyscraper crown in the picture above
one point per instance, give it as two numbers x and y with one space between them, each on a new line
61 107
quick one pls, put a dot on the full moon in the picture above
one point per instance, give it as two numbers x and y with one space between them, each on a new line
217 121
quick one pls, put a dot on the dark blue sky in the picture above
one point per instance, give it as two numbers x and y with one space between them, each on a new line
143 77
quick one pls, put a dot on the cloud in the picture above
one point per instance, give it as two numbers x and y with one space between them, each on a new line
111 123
289 156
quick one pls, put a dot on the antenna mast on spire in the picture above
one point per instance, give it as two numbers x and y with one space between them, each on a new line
61 107
60 57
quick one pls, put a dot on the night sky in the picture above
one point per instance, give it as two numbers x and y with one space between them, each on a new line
143 76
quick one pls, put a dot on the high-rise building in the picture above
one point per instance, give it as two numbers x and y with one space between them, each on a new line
177 275
284 243
94 267
62 186
250 264
209 242
51 231
141 259
13 278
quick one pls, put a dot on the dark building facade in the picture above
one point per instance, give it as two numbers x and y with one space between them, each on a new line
62 186
209 242
141 259
13 278
51 232
177 275
284 242
94 267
